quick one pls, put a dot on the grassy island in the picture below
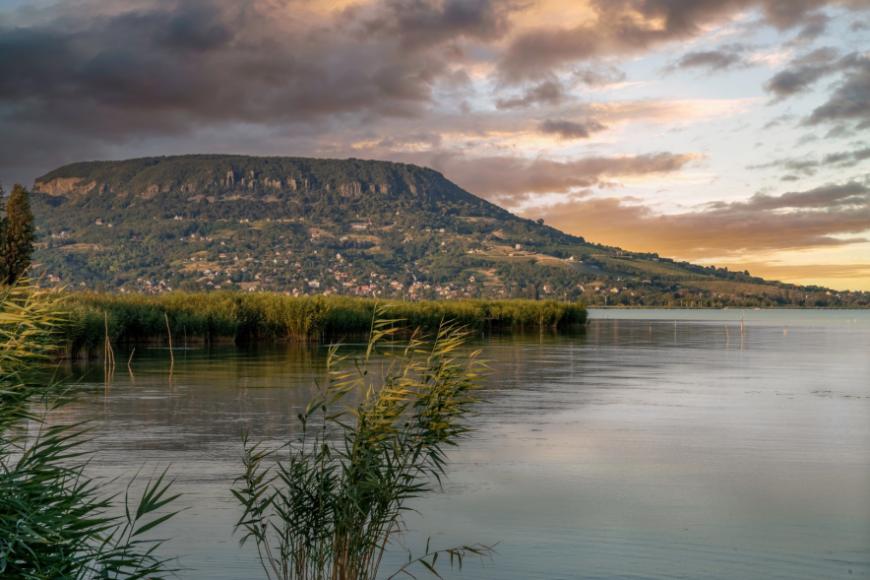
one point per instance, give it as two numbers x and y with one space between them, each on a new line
245 317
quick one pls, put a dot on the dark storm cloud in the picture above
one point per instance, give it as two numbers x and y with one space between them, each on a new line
571 129
105 75
618 30
225 61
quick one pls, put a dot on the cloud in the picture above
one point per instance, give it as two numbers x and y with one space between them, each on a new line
830 215
814 26
571 129
778 120
511 180
424 23
850 100
709 59
809 166
848 103
847 158
803 72
116 73
547 93
624 27
827 197
87 79
599 75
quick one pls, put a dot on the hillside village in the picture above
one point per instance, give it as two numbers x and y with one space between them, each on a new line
353 227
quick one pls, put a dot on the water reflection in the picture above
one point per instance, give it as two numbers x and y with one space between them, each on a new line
640 448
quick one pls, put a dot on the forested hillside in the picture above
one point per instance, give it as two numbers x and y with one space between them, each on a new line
355 227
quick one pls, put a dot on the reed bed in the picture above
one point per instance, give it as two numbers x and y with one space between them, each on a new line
244 317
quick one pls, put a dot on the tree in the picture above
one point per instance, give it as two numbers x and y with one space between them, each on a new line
16 236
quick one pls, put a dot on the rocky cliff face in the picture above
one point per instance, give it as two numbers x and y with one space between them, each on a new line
209 175
69 186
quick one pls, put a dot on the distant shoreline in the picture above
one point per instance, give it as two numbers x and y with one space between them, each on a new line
717 308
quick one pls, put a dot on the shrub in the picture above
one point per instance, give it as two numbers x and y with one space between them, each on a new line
330 509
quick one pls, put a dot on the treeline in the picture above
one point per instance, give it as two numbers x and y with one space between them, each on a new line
245 317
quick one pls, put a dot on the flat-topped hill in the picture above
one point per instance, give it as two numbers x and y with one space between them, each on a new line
350 226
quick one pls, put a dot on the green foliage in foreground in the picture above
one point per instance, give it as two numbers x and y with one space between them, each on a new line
327 506
370 442
54 520
261 315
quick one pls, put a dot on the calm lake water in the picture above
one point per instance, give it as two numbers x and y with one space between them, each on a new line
656 444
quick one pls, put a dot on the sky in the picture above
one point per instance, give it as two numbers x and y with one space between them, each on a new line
727 132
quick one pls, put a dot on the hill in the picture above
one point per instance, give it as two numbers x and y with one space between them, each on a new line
371 228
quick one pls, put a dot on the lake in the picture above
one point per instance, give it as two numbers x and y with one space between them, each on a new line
655 444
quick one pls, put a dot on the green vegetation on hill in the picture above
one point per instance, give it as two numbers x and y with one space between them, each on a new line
245 316
350 227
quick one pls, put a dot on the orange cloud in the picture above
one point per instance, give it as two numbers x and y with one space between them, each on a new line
830 216
510 180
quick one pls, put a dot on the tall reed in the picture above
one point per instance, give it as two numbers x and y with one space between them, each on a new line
55 521
244 317
369 443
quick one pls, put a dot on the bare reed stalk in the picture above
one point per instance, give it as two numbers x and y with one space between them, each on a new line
169 336
108 354
130 362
